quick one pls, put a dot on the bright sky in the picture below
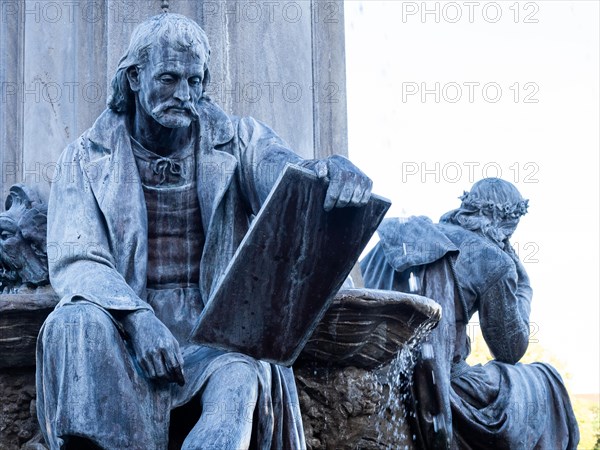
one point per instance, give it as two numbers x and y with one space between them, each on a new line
517 97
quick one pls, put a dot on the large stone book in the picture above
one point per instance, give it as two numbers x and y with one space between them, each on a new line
284 275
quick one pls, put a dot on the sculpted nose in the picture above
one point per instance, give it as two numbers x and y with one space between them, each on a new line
182 92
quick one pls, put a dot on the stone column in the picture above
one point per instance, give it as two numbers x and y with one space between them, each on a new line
281 62
64 69
11 105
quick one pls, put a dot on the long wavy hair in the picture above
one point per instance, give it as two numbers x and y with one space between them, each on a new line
490 203
164 30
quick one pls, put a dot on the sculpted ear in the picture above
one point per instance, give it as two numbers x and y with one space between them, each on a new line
133 76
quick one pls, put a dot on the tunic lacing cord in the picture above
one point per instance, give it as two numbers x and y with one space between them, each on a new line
161 165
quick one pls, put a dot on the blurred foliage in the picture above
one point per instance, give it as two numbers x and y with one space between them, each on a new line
586 407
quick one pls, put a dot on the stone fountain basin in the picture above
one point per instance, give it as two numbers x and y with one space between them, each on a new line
366 328
363 328
21 317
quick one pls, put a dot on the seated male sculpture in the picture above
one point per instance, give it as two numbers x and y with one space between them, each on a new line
151 204
467 264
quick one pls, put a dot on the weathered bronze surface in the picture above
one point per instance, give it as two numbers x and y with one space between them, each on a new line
300 256
467 264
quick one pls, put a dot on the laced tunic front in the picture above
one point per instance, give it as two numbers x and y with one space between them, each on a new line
175 236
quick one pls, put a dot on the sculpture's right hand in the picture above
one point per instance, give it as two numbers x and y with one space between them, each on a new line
156 349
521 272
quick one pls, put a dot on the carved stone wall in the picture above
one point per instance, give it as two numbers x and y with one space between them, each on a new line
21 316
18 423
351 408
279 61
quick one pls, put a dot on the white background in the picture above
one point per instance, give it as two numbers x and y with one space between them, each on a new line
422 152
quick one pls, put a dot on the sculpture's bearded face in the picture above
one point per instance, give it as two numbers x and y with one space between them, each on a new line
168 85
507 228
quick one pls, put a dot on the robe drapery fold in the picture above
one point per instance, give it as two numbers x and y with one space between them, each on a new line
502 404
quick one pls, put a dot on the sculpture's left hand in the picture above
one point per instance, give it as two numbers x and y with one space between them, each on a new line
155 348
348 185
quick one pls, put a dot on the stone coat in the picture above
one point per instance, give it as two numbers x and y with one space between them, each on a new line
97 240
97 215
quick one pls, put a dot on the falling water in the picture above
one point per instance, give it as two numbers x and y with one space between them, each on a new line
392 428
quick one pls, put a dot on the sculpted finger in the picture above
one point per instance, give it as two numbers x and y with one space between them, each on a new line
147 367
160 369
333 194
174 363
358 196
346 194
366 196
178 376
321 169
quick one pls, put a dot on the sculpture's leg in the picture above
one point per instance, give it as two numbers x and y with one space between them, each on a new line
228 402
87 385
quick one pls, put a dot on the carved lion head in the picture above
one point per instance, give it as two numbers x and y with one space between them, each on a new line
23 257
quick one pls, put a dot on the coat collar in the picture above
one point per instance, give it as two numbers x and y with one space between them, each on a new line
112 160
215 127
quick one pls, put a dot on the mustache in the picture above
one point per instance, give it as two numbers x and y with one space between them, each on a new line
188 106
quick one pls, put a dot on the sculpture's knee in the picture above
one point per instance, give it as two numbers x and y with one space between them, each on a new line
241 376
237 382
80 325
240 371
